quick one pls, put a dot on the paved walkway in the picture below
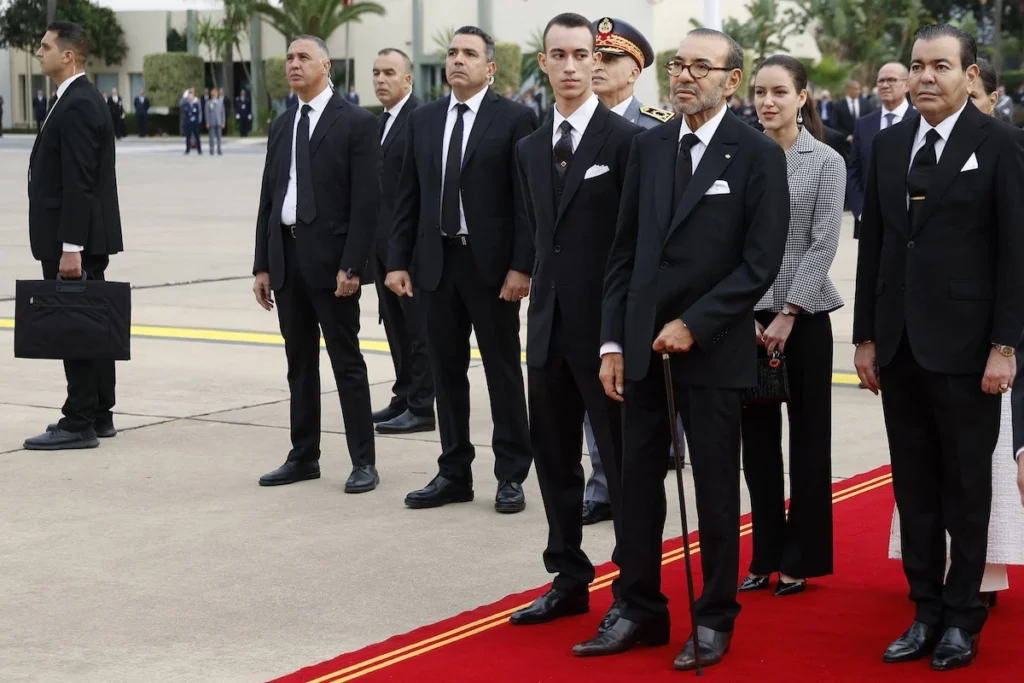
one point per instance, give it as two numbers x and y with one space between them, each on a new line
156 556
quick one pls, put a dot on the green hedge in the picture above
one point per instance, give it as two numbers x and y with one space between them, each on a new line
1012 80
508 57
276 78
156 124
168 74
660 60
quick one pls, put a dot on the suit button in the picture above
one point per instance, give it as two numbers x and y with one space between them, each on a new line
664 265
552 285
558 249
910 244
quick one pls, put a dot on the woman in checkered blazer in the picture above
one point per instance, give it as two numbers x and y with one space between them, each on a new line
793 318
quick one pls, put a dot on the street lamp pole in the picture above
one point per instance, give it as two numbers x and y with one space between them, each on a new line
713 14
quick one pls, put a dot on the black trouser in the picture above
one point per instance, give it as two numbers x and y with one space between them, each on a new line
463 303
942 430
413 389
244 124
303 311
90 382
142 121
567 386
192 132
712 420
800 546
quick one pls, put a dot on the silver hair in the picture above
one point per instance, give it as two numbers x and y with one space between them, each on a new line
319 43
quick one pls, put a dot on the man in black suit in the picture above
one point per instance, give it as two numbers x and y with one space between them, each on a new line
141 107
39 109
461 229
939 309
892 91
314 233
701 232
412 404
74 219
851 108
572 170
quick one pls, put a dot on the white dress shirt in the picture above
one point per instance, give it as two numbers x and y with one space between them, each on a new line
898 114
622 106
944 129
468 117
705 133
393 114
291 196
854 106
61 89
579 120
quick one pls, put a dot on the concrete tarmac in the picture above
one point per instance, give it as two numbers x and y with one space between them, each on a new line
156 557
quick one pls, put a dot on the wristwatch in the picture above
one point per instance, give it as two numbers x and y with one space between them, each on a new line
786 310
1003 349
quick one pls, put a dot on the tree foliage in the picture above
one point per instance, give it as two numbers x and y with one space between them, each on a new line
320 18
277 78
764 32
168 74
23 23
508 58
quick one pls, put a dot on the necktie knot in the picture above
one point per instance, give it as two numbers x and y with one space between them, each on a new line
306 109
566 127
889 118
461 108
932 137
688 142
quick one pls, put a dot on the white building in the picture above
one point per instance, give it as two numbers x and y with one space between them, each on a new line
147 22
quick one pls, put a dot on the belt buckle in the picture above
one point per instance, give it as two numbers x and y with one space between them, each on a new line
291 228
461 239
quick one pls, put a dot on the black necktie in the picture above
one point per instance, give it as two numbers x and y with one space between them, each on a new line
921 171
450 222
684 166
305 208
384 124
562 152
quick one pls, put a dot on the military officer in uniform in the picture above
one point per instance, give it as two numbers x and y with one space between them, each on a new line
624 54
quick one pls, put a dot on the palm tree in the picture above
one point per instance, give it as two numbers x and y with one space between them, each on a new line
320 18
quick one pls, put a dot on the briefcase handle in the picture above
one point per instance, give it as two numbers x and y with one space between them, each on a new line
71 286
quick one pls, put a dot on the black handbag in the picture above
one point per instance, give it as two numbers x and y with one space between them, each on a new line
72 319
772 382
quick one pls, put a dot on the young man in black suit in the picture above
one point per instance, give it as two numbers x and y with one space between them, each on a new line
701 233
412 404
314 232
74 219
572 170
938 312
461 229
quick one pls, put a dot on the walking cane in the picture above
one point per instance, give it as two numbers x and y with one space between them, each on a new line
674 426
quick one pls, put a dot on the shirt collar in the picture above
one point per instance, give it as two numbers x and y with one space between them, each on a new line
473 102
63 87
397 109
705 132
580 118
899 111
945 126
622 106
319 102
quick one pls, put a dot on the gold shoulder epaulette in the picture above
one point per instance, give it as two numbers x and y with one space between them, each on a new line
656 113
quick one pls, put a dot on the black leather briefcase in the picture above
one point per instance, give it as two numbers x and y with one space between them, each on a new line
72 319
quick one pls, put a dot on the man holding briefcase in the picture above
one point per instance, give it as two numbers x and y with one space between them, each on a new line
74 219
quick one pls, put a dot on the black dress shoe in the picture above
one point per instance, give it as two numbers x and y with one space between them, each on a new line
989 599
916 643
783 589
363 478
594 512
955 650
385 414
61 440
552 605
438 492
713 647
509 498
104 428
755 583
611 616
291 472
625 635
407 423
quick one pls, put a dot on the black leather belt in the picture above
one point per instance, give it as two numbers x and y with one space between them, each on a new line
457 241
288 229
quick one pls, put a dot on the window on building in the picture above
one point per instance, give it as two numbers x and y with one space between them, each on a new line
136 86
106 82
340 70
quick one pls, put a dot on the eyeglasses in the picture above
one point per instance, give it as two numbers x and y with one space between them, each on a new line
889 81
698 70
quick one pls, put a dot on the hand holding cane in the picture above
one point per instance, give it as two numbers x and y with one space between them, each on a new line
677 457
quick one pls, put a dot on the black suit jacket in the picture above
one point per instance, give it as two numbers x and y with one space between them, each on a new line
707 260
72 187
864 133
837 141
572 233
392 157
499 234
844 120
954 279
345 160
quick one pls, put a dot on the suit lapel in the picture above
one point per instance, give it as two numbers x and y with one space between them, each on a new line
284 154
665 163
967 134
541 161
584 156
798 152
716 158
488 108
397 126
437 123
331 113
52 113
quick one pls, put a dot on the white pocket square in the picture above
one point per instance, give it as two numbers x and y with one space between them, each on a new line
971 164
595 171
718 187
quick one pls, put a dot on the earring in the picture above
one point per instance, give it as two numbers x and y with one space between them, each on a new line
800 119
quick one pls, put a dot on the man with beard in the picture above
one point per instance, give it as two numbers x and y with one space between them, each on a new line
701 232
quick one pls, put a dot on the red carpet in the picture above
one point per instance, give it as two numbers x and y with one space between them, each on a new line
835 631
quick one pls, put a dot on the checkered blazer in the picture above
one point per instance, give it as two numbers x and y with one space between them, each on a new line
817 187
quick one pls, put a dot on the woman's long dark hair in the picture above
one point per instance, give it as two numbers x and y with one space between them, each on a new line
812 121
988 76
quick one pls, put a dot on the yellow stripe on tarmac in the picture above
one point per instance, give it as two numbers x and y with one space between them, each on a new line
275 339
